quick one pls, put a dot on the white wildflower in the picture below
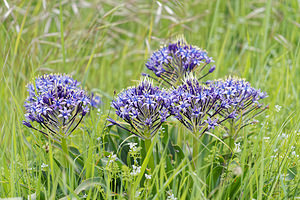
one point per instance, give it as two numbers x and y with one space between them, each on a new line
148 176
137 194
294 154
132 146
44 165
98 111
237 148
112 158
292 147
135 170
284 135
171 195
277 108
274 156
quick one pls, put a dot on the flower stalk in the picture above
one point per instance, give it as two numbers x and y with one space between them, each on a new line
151 164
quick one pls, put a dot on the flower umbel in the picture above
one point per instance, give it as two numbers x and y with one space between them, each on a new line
143 107
173 62
57 103
197 106
240 100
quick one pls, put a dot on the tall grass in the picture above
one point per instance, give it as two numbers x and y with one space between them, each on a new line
104 44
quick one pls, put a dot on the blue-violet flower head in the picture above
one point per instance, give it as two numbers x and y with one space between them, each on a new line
173 62
144 108
57 103
239 97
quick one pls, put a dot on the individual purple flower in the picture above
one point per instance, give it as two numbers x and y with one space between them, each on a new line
65 113
173 62
57 103
211 123
144 108
95 100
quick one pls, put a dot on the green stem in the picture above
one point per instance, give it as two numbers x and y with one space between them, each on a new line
151 159
65 150
231 142
195 150
231 135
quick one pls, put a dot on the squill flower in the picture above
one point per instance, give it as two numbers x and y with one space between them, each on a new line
242 99
144 108
173 62
57 103
197 106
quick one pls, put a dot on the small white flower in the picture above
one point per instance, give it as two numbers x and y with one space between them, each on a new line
277 108
135 170
294 154
112 158
132 146
171 195
237 148
137 194
148 176
283 135
275 150
44 165
266 138
274 156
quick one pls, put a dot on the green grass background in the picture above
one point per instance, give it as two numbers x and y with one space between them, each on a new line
104 44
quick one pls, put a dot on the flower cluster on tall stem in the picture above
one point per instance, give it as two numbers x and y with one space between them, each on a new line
144 108
173 62
197 106
58 104
242 98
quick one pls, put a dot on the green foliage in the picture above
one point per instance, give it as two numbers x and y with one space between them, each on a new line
104 44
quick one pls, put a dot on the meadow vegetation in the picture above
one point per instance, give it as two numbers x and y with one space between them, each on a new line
105 44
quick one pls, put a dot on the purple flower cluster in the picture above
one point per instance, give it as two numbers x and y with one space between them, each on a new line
202 107
172 63
197 106
56 102
240 98
143 107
